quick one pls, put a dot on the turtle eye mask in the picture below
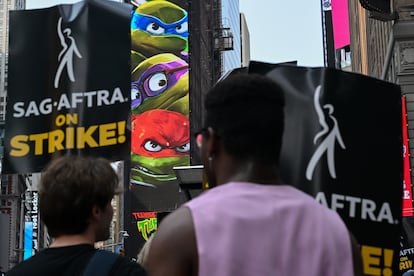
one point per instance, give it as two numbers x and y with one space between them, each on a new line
155 26
156 80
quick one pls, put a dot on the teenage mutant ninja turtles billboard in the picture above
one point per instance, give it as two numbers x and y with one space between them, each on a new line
160 133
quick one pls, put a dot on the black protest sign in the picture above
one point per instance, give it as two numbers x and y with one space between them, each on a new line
69 84
342 144
407 246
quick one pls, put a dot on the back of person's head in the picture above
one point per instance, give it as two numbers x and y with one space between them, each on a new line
69 187
246 112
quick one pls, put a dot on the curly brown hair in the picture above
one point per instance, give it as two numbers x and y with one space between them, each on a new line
69 188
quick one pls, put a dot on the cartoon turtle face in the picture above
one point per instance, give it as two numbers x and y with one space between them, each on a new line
159 27
155 26
160 82
160 140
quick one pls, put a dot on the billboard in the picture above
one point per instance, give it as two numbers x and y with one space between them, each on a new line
160 126
31 225
407 234
143 226
407 207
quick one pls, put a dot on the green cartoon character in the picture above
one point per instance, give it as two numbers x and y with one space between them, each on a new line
158 26
160 82
160 140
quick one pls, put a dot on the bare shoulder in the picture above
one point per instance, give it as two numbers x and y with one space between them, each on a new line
173 250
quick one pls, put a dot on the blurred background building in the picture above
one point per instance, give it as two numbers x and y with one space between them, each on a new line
229 42
5 7
13 187
216 41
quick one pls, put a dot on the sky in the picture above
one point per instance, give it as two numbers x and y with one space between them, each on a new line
286 30
39 4
280 31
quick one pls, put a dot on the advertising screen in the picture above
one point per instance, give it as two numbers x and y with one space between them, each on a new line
160 126
340 23
407 207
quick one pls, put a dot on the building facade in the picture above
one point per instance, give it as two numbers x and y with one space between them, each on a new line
215 47
369 40
5 7
231 28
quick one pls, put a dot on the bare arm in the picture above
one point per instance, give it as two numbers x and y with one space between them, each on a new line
173 250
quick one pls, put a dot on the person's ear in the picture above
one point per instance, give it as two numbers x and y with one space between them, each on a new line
96 213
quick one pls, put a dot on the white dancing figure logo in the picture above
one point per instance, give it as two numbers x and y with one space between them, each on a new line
330 137
65 57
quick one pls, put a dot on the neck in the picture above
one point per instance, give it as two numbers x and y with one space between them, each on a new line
250 171
68 240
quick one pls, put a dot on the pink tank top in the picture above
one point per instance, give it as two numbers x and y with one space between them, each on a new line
261 230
